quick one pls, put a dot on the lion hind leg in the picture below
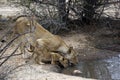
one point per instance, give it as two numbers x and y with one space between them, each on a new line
24 51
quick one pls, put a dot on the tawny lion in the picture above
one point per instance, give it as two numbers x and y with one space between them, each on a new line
35 32
40 56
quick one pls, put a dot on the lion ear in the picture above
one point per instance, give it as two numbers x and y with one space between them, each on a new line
70 49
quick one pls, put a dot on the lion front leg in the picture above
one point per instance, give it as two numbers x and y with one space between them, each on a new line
37 59
53 58
22 49
37 55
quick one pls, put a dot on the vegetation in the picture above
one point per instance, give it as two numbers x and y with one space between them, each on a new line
56 15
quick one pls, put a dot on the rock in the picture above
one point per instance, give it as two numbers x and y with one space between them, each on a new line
36 72
52 68
76 72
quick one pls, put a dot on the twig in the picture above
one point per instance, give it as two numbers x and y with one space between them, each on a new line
10 55
4 48
48 3
101 11
6 33
15 68
112 2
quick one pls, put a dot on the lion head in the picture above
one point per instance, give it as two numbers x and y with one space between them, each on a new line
24 25
72 56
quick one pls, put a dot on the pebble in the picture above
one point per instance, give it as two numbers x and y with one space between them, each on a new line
77 72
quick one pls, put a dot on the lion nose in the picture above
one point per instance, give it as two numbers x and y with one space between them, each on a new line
71 63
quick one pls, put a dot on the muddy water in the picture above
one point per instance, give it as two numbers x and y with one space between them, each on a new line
108 69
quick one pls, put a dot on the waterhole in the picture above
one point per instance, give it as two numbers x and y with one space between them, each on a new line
107 69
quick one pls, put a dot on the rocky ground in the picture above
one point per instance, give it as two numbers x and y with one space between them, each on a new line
87 44
36 72
16 68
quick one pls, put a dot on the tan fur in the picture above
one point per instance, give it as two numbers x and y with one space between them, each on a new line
43 37
44 55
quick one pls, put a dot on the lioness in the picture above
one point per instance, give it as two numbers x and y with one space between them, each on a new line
44 55
43 37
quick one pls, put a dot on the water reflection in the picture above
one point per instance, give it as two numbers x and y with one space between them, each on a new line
114 67
100 69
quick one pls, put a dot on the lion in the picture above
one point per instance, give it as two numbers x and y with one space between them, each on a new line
41 56
32 31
